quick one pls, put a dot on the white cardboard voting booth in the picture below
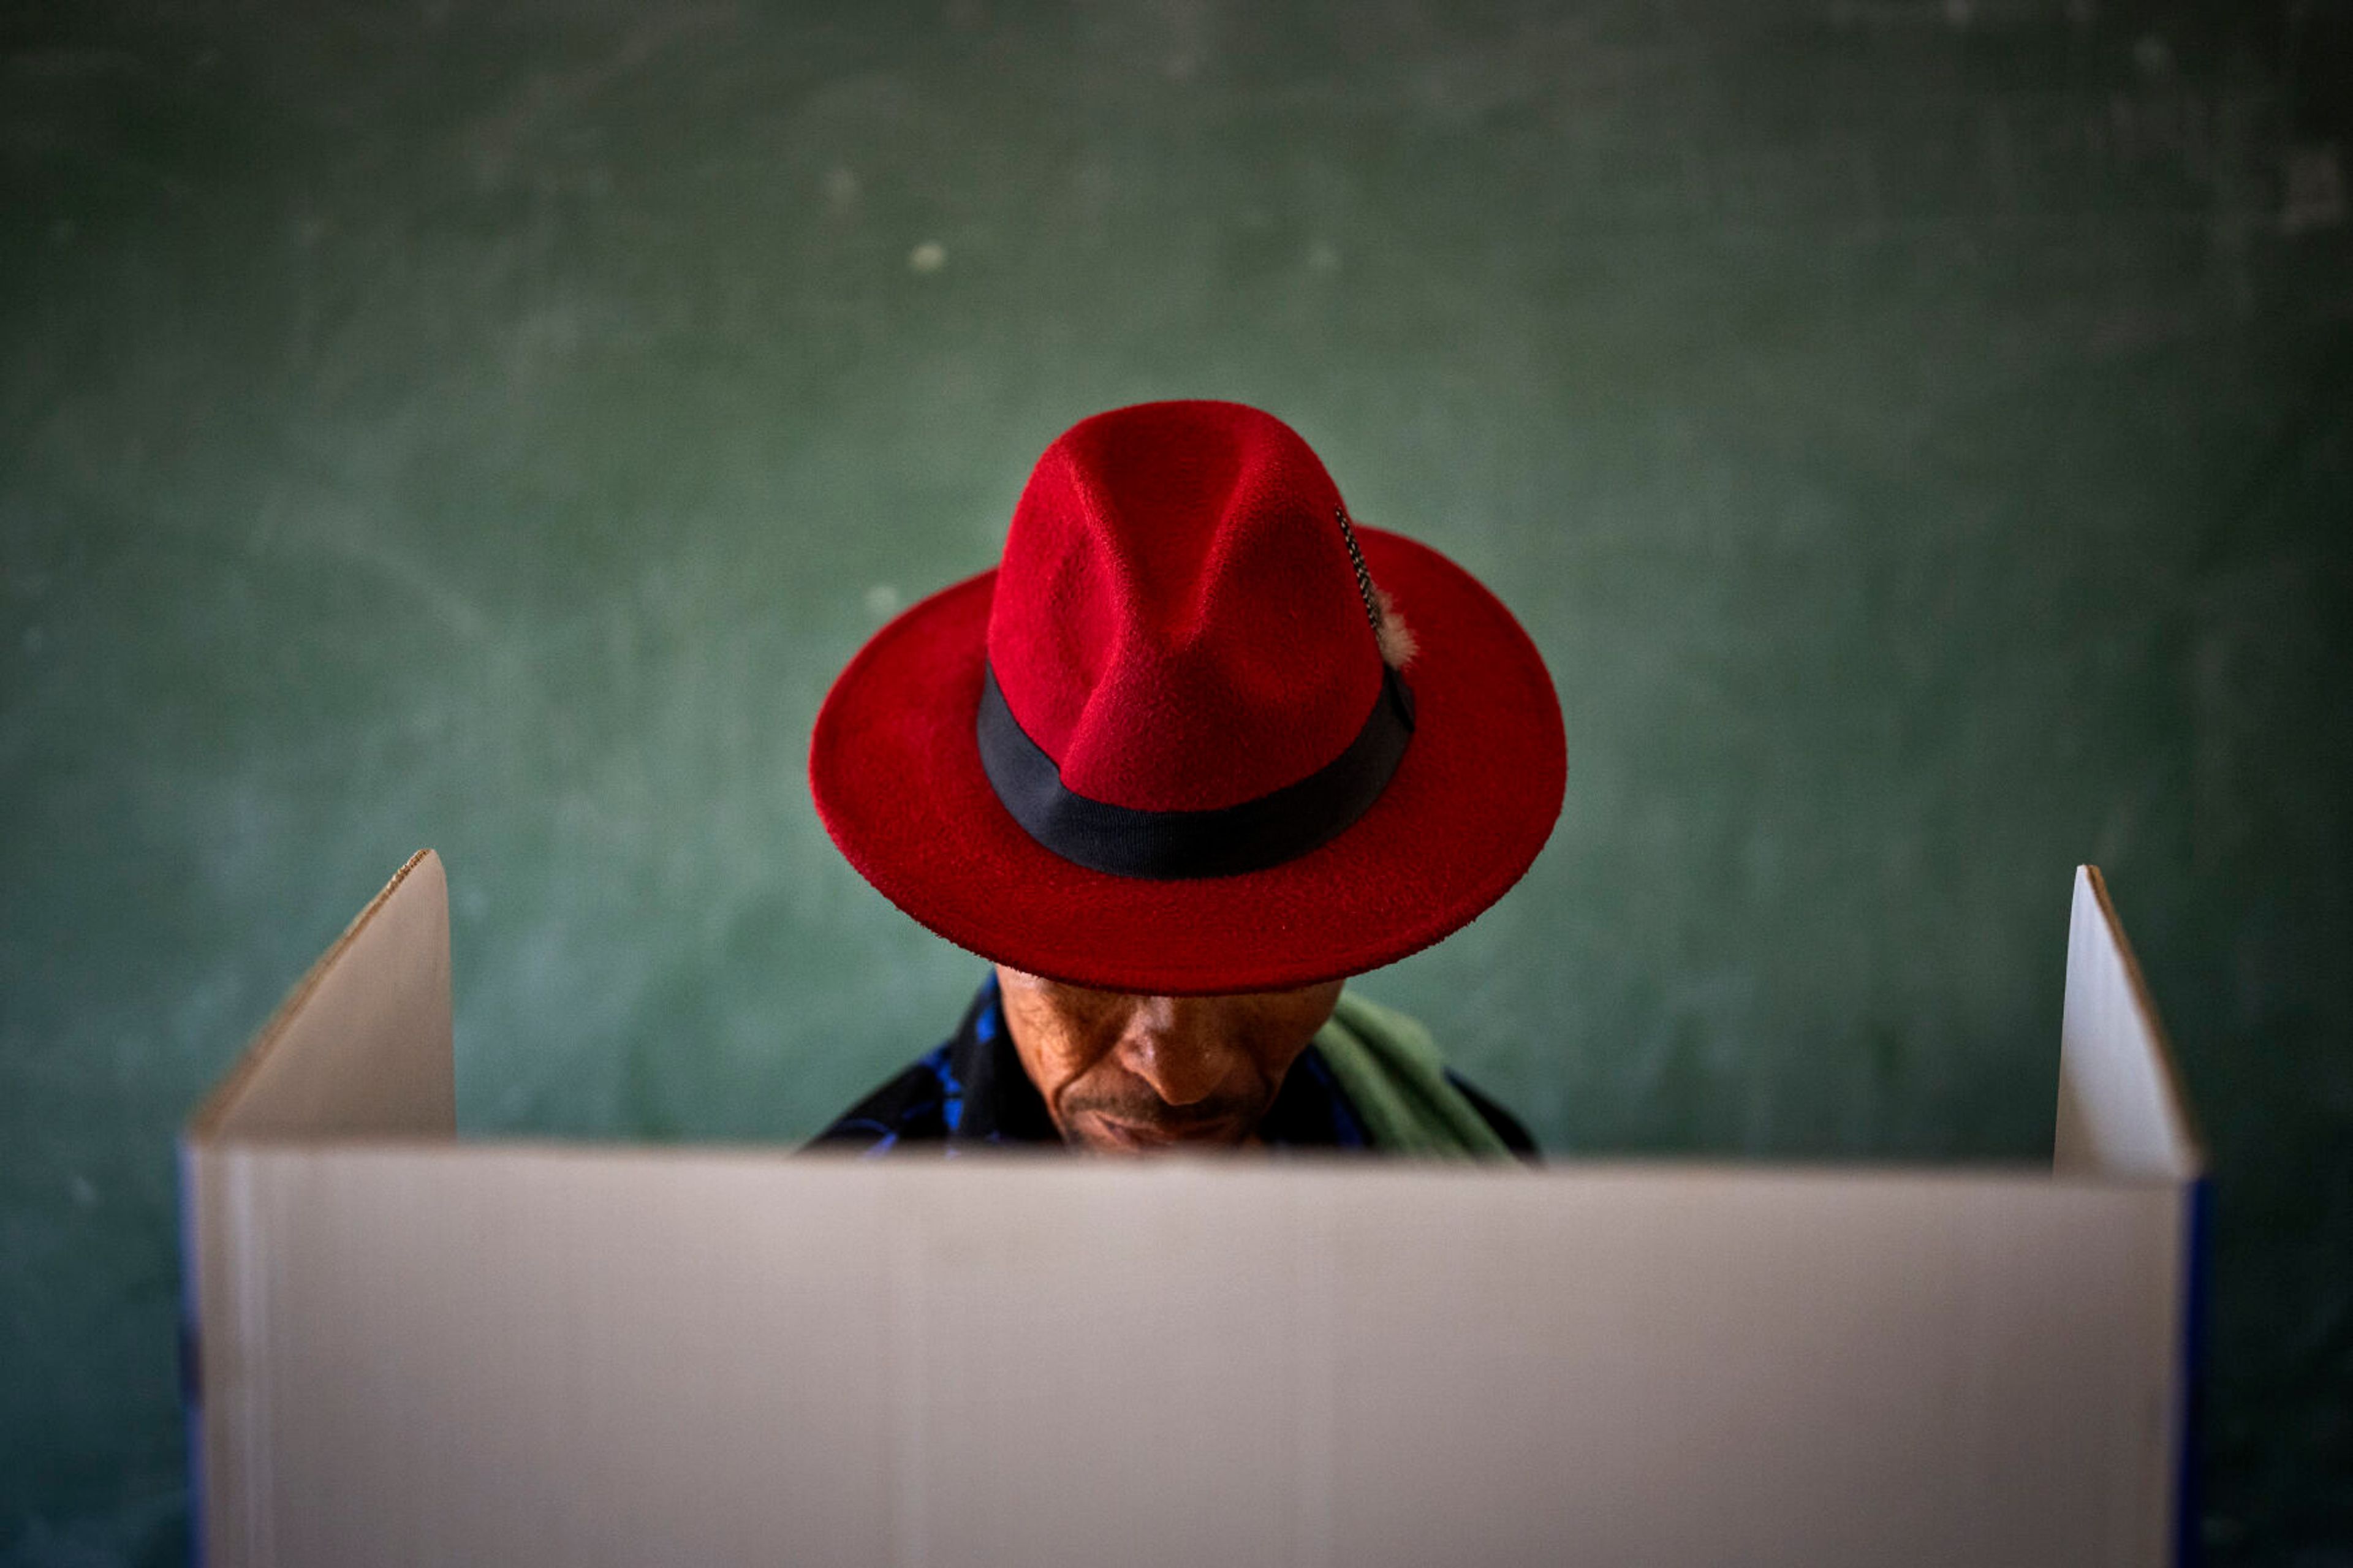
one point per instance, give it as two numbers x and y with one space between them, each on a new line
411 1349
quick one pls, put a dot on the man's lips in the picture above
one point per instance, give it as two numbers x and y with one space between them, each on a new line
1158 1134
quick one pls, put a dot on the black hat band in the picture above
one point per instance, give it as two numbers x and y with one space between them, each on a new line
1171 846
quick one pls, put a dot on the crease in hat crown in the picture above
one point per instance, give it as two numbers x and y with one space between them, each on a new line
1176 620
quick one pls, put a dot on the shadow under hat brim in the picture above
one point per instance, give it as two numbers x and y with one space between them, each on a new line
897 776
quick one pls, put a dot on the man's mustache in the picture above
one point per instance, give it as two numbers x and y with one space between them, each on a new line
1150 1110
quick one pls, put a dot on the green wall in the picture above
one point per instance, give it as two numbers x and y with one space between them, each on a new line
1919 436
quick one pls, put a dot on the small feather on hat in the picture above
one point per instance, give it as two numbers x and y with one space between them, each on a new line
1397 643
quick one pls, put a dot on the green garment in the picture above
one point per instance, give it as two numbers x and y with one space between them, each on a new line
1389 1068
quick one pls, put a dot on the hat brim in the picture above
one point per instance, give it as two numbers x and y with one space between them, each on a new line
897 776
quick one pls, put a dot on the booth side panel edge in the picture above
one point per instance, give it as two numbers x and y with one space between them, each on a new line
191 1352
2120 1107
2189 1414
362 1043
223 1361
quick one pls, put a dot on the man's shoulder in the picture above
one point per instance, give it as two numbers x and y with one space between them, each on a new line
1507 1127
1410 1098
912 1108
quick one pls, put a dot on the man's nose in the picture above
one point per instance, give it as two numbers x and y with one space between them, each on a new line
1174 1044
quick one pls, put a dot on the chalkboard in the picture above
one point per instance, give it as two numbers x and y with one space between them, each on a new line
1918 436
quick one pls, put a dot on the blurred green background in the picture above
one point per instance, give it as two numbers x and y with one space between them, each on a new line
1919 436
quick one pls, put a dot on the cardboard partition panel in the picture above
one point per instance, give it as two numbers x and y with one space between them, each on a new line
416 1350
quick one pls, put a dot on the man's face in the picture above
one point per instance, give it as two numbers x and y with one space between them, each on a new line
1133 1074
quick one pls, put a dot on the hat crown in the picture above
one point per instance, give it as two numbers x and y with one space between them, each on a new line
1176 622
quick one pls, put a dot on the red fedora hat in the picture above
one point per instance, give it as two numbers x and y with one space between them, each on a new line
1197 733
